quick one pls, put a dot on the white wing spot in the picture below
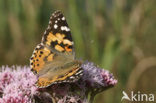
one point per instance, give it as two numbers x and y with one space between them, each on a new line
42 44
64 28
56 21
71 77
55 26
81 74
63 18
78 72
50 22
38 46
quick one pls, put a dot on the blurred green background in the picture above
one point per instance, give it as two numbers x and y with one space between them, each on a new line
118 35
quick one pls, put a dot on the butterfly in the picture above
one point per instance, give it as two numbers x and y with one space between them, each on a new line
53 60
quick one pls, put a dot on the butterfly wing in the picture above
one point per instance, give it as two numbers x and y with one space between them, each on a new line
61 69
58 35
40 57
53 59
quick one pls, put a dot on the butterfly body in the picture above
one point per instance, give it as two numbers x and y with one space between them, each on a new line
53 60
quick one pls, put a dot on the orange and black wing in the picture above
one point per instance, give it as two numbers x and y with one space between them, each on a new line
58 34
40 57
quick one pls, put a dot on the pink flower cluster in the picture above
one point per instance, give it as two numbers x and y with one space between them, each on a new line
95 77
17 84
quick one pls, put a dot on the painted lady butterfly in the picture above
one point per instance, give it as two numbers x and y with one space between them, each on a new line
53 60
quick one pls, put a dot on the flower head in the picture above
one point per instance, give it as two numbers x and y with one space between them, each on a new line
17 84
96 77
70 99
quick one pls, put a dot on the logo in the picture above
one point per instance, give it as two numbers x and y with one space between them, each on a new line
140 97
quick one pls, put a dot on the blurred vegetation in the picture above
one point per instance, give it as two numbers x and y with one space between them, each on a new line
118 35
